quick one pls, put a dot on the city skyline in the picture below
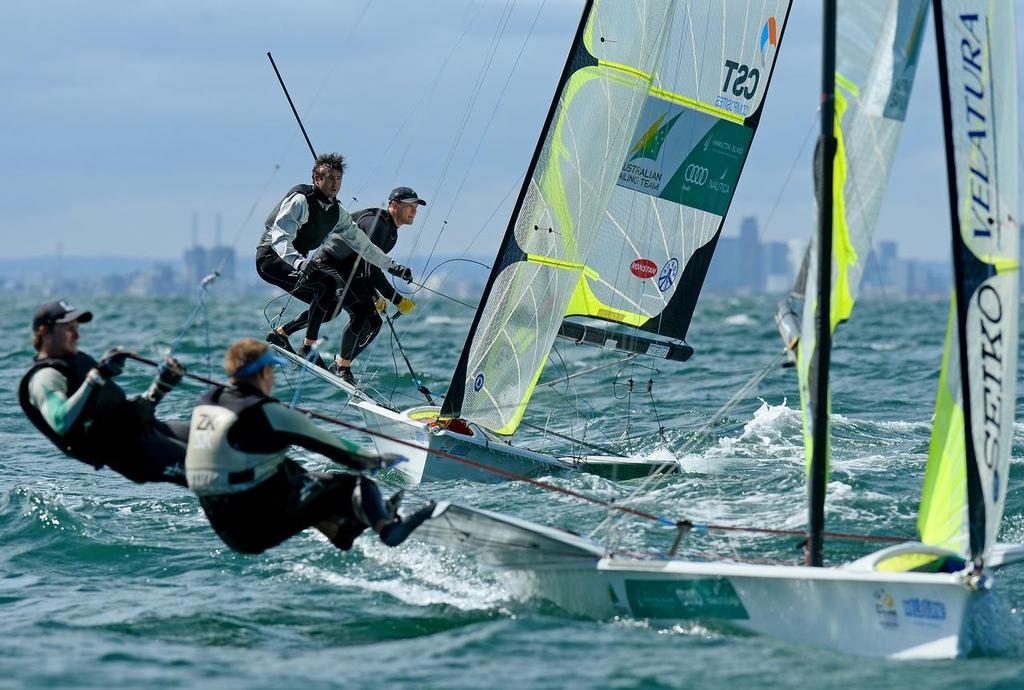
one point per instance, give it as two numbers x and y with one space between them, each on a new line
124 129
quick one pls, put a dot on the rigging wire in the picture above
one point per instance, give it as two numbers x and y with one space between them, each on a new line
608 524
548 486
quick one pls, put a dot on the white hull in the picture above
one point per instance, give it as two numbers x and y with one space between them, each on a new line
899 615
854 609
422 445
430 446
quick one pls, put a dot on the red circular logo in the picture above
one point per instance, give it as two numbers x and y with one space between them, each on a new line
643 268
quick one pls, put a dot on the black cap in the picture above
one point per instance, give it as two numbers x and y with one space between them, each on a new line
405 195
59 312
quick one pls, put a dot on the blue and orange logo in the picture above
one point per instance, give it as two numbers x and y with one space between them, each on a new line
769 36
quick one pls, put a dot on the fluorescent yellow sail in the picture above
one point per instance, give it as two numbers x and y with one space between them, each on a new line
877 46
943 511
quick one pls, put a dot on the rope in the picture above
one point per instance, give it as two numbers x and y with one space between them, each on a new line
548 486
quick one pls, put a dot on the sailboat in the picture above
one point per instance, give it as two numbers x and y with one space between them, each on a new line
912 599
616 223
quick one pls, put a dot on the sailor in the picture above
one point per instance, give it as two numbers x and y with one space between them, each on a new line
287 254
73 401
368 289
255 496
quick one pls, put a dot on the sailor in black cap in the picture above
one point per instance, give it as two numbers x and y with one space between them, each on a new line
254 495
367 290
73 401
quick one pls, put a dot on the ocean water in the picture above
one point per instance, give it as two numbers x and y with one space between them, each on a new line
104 583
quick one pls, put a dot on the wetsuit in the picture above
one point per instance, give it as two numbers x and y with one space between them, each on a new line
92 420
255 497
294 231
364 280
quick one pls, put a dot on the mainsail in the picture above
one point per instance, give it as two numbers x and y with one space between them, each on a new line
635 171
968 458
877 46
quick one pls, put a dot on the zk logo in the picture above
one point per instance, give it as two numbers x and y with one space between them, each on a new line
696 174
741 80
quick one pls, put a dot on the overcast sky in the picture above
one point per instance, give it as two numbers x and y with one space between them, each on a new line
123 119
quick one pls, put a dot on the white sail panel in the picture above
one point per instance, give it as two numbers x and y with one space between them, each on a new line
682 166
552 235
877 46
980 71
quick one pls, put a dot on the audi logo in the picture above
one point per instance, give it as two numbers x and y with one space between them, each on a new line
696 174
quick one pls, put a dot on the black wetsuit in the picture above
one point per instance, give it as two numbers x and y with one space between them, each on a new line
110 430
364 280
254 496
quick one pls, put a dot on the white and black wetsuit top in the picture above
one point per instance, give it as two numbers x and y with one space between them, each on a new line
239 438
304 217
71 409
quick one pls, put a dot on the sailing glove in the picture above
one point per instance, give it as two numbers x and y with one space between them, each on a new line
169 375
112 362
406 306
381 304
403 272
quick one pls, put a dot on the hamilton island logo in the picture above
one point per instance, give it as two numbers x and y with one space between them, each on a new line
478 382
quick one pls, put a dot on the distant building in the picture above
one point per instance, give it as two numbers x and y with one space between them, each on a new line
745 265
202 261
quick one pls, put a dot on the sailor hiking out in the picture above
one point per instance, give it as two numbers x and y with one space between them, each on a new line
73 401
254 495
368 290
287 254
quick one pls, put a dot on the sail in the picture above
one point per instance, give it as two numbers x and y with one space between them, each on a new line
637 91
877 46
969 454
658 233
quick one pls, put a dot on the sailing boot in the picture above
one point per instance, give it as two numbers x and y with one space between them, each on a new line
399 530
342 372
315 359
275 338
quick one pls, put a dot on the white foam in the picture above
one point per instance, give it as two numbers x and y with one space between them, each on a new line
417 576
738 320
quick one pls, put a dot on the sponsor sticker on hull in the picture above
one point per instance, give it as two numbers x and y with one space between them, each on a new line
668 600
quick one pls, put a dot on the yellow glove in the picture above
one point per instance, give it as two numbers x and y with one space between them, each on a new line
406 306
381 304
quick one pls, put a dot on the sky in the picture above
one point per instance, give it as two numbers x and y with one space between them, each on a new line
126 122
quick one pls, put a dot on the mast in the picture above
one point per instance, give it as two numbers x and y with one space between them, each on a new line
818 473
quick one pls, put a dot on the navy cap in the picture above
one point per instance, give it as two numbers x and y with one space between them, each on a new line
59 312
405 195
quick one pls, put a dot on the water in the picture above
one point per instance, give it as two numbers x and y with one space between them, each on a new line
104 583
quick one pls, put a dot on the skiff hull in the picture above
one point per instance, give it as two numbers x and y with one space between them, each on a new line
427 449
855 609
